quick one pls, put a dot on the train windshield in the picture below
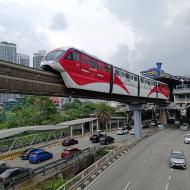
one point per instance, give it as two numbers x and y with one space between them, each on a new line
54 55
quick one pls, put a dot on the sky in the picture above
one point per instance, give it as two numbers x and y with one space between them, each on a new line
131 34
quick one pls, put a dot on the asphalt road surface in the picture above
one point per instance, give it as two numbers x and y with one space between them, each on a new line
146 166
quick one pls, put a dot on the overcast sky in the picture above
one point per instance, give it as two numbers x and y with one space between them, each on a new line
132 34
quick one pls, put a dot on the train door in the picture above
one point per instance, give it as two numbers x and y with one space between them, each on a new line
103 76
84 66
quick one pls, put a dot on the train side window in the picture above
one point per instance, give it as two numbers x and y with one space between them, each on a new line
100 66
84 59
107 68
127 76
75 56
135 78
93 63
142 80
70 57
131 77
117 72
148 83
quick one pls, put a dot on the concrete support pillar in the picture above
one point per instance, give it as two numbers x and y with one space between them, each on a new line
137 123
110 124
117 123
71 133
82 127
106 125
92 128
97 125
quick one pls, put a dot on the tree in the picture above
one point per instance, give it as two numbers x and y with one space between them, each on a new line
104 112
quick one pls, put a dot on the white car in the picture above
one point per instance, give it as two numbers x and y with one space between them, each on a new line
122 131
153 123
187 139
184 126
132 132
101 132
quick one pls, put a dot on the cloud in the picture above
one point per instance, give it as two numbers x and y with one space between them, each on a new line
58 22
163 31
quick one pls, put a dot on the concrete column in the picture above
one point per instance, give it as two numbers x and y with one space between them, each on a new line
117 123
106 125
137 123
110 124
82 126
71 134
97 125
164 117
92 127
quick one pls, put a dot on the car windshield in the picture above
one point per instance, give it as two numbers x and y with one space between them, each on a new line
54 55
188 136
178 155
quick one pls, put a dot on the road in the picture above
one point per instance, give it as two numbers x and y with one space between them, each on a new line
146 167
57 149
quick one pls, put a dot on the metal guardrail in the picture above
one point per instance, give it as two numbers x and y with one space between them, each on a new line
74 182
57 165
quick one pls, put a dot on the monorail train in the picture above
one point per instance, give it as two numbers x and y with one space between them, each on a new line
83 71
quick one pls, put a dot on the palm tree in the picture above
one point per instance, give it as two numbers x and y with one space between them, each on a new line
103 113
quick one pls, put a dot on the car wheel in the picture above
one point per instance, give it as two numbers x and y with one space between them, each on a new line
51 156
38 161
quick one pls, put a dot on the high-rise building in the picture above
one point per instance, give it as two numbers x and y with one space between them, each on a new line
8 52
38 58
23 59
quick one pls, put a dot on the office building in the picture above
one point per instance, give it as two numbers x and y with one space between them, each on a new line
23 59
8 52
37 58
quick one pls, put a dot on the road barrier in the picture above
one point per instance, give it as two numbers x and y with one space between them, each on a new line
81 177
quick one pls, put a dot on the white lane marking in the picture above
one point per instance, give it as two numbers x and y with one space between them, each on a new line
172 169
127 185
169 178
144 162
167 185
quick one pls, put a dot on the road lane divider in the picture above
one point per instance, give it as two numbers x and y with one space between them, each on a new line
128 184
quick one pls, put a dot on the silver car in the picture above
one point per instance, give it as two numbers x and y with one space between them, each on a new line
187 139
177 159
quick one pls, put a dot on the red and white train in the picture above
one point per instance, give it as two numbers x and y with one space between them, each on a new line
83 71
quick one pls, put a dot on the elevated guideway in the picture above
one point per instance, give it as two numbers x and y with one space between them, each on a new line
25 80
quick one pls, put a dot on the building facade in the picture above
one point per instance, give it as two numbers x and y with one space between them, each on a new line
23 59
8 52
37 58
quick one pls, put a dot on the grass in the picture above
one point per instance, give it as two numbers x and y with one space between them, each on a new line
50 184
101 153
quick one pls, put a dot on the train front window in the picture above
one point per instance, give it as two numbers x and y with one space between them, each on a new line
54 55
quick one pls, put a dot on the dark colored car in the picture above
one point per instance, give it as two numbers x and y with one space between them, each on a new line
96 137
25 154
3 166
106 140
69 152
39 156
69 141
12 172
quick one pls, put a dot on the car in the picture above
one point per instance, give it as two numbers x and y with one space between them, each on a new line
153 123
3 166
101 132
177 159
184 126
70 152
69 141
25 154
95 138
132 131
12 172
121 131
106 140
39 156
187 139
